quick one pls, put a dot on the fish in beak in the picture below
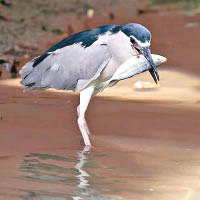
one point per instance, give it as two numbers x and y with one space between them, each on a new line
153 71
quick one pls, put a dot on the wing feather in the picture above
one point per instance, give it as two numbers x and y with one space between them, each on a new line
70 68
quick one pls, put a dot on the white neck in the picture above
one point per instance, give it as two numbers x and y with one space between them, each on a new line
146 44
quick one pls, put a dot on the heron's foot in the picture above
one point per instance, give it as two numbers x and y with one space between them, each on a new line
84 131
86 148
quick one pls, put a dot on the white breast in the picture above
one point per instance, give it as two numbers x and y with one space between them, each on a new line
120 48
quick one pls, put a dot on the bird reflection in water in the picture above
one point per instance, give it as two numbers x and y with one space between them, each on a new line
60 177
82 158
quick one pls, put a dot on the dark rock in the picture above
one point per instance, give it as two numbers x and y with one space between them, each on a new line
5 3
4 18
13 69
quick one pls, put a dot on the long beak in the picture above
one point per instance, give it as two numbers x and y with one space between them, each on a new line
153 71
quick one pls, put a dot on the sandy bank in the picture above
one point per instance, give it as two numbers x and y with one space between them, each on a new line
176 87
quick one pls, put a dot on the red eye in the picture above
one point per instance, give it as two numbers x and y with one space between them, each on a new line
132 41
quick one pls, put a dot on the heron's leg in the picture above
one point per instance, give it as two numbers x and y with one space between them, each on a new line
86 126
93 94
85 96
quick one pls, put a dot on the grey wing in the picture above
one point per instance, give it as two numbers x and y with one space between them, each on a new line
70 68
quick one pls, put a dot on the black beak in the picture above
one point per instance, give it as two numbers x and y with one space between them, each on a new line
153 71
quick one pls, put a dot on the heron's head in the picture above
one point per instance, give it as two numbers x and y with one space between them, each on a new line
140 38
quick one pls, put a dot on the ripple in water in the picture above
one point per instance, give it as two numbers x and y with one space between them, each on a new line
55 177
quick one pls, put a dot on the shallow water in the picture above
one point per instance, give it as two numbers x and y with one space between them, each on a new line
73 175
146 148
131 169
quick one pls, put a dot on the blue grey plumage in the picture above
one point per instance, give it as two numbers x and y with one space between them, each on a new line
62 71
90 61
76 60
88 37
136 30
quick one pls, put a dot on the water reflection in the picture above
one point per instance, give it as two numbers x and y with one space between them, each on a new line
79 166
83 182
75 176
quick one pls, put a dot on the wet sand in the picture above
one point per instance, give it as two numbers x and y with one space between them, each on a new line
146 144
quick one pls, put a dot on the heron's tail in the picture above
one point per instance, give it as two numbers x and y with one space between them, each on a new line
32 75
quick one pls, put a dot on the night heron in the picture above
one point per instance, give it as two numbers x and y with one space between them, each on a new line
92 60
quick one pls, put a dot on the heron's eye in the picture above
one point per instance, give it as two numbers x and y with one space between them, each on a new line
133 41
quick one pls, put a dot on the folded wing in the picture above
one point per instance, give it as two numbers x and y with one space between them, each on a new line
69 68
